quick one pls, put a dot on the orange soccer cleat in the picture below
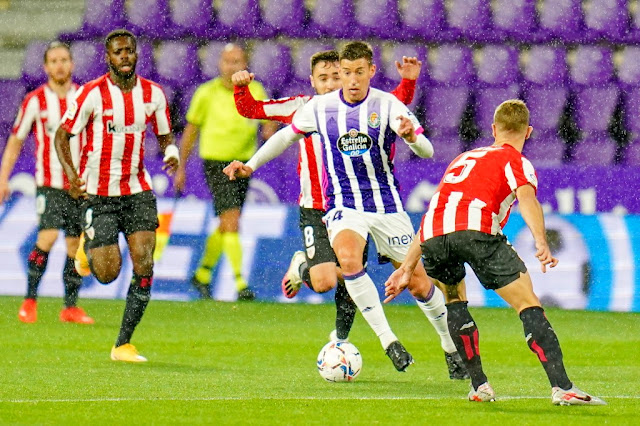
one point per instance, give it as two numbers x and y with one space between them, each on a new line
76 315
28 312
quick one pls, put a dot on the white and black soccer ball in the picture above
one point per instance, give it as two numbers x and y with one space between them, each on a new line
339 362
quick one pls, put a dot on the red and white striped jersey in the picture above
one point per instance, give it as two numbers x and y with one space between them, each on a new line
310 165
41 111
477 191
111 161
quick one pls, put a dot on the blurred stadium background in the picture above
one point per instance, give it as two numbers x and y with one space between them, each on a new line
576 63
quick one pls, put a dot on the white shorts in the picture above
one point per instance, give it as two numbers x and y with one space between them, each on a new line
391 232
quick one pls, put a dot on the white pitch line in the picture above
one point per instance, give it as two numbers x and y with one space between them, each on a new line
305 398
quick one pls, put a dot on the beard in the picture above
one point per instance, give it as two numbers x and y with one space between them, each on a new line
123 75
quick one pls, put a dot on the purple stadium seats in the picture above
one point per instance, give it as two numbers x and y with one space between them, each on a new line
561 19
210 57
88 58
628 72
497 80
631 98
177 63
271 62
545 149
285 17
240 18
425 19
596 93
145 66
471 19
32 72
515 19
545 73
11 94
634 26
149 18
606 19
632 154
594 151
377 18
100 17
446 148
302 58
333 18
297 87
451 75
192 18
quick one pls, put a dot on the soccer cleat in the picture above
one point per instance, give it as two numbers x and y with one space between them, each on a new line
573 396
457 369
81 261
76 315
28 312
203 289
399 356
292 281
246 294
333 337
127 353
484 393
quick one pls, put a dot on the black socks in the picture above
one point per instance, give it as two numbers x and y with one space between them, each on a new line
137 299
36 265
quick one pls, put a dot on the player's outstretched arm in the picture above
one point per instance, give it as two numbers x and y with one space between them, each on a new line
9 158
418 142
187 142
410 68
237 169
533 216
61 142
400 278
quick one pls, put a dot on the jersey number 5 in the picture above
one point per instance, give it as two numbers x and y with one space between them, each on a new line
467 163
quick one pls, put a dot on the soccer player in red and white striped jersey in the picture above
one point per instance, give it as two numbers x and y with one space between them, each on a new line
115 110
40 112
464 225
316 266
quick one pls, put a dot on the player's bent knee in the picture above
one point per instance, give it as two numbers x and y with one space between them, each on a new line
105 277
324 284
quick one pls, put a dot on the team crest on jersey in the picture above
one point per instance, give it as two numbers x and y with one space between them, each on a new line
374 120
149 109
354 143
71 109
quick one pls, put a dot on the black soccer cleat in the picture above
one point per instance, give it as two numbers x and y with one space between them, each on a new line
455 364
246 294
399 356
203 289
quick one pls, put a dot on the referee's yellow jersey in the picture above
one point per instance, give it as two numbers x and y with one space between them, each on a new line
225 135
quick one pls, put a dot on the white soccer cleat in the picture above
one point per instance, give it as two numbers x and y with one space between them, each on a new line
292 281
485 393
333 337
573 396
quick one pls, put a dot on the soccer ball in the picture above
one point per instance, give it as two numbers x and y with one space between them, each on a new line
339 362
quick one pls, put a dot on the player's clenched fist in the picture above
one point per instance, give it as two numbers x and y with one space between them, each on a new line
237 169
242 78
406 130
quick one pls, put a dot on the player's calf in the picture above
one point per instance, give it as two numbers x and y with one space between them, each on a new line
465 336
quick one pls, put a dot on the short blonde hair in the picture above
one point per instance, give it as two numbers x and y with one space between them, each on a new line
512 115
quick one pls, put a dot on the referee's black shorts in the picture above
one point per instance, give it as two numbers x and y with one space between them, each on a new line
227 194
492 258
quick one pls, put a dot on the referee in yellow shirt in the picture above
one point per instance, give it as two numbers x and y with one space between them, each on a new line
224 136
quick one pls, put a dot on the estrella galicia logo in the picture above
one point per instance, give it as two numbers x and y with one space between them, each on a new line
354 143
117 128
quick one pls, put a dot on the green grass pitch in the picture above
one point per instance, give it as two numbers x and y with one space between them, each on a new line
254 363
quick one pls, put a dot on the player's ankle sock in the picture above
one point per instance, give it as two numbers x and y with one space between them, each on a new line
137 300
436 312
305 275
345 311
542 341
232 248
36 265
364 294
72 282
465 336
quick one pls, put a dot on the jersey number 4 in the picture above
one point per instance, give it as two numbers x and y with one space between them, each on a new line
467 163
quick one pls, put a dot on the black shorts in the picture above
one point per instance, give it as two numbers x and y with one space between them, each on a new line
491 257
316 239
58 210
227 194
105 217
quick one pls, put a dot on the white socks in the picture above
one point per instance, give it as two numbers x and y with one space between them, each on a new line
363 292
436 312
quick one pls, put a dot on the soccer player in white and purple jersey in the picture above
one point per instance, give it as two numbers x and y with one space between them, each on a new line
358 127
